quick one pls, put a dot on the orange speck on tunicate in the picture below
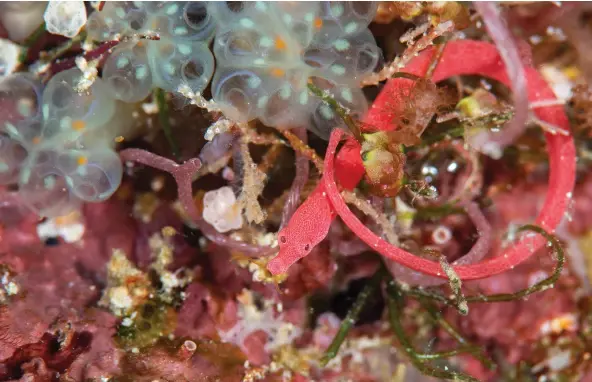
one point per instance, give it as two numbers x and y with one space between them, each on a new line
318 23
82 161
36 140
277 72
78 124
280 44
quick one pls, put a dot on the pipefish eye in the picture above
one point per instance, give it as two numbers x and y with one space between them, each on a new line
283 239
307 247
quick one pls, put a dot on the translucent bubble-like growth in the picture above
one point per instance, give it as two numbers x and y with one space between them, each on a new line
20 119
20 96
57 144
180 56
68 112
92 175
43 188
128 73
11 156
267 52
176 63
176 20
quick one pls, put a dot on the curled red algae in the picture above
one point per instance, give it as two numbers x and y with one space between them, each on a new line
485 61
308 227
183 175
493 144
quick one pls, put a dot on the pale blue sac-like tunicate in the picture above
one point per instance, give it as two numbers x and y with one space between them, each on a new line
56 143
180 56
267 52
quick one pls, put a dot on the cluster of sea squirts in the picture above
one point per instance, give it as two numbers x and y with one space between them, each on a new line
57 139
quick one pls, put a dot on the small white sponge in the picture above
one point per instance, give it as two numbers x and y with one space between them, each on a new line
221 210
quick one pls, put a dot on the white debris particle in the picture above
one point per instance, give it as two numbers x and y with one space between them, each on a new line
356 350
202 243
127 287
251 319
87 45
9 57
405 214
65 18
197 99
12 288
169 281
267 240
120 298
536 277
562 86
218 127
89 73
162 253
560 360
150 107
564 322
7 287
69 231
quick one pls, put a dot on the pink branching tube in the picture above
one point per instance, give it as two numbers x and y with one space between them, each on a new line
465 57
183 175
493 144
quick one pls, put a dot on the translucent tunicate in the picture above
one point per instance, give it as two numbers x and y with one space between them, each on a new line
60 153
179 56
266 54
